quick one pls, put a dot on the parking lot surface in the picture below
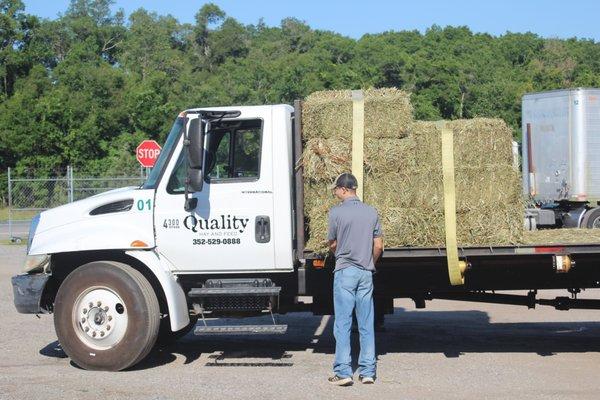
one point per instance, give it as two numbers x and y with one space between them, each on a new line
451 350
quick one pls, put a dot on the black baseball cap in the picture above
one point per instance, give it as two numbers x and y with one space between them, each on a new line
345 180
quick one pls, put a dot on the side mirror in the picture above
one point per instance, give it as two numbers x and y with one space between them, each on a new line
195 143
194 147
195 177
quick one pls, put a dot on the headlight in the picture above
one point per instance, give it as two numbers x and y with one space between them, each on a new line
39 263
32 228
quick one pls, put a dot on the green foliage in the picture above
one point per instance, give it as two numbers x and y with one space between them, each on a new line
84 89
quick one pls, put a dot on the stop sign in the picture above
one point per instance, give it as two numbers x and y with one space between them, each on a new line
147 153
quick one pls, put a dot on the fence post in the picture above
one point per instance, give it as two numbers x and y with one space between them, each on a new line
70 182
10 232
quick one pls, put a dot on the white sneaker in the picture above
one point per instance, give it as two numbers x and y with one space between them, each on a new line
339 381
367 380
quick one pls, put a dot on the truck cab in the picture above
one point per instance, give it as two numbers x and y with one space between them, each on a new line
242 216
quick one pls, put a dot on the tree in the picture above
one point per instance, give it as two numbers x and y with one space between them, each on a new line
14 29
98 10
209 14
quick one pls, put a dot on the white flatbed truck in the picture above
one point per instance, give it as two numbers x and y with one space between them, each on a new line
218 230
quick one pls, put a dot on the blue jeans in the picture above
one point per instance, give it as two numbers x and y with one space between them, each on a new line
353 289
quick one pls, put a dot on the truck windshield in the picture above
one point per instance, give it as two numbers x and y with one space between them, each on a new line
165 154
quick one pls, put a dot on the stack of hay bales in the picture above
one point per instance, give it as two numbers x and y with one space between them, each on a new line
403 171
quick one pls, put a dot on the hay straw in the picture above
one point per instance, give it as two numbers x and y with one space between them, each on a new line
475 187
477 141
562 236
328 114
324 159
414 224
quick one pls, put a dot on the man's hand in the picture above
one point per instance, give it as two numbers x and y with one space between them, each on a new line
332 245
377 248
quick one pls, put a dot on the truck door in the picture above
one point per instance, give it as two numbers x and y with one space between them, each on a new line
230 229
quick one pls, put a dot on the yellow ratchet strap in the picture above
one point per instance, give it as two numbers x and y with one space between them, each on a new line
454 265
358 138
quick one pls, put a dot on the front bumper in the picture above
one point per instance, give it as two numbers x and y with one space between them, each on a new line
27 292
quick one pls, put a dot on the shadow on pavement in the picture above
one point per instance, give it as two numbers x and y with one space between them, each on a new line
54 350
452 333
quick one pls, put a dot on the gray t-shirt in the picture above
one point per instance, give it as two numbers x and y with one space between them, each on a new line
354 225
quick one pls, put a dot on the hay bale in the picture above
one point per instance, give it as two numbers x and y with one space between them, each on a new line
475 187
324 159
328 114
477 141
486 213
403 176
419 227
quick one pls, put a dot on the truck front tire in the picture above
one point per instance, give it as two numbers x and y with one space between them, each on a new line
106 316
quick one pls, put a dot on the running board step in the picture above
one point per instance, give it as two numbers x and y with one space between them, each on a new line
234 291
241 330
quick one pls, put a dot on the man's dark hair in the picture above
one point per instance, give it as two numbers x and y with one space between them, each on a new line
347 181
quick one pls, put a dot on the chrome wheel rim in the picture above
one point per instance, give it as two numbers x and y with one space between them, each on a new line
100 318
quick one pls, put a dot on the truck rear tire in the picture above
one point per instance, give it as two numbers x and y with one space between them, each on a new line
106 316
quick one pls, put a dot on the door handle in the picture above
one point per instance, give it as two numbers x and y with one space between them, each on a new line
262 229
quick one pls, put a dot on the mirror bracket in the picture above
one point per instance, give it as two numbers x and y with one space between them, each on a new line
190 204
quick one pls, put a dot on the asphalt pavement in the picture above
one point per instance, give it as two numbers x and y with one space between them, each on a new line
451 350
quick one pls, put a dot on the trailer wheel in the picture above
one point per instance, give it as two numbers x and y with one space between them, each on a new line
106 316
591 219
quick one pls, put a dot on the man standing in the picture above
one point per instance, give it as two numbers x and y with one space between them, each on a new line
355 238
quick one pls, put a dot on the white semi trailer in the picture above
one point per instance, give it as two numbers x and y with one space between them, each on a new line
218 230
561 157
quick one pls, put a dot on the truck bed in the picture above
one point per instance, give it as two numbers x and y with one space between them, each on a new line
423 272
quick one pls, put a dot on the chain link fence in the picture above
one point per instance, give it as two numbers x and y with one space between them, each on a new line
29 196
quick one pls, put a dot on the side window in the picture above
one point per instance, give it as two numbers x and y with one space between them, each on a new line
217 158
246 155
232 153
177 179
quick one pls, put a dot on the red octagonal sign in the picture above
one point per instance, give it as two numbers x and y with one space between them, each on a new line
147 153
